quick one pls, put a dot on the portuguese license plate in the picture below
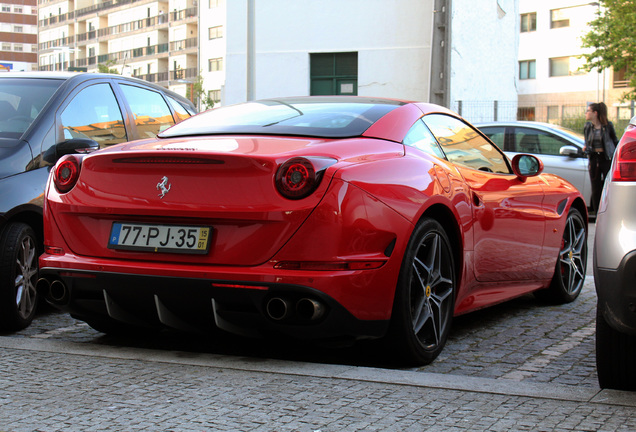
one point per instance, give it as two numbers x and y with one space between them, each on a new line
160 238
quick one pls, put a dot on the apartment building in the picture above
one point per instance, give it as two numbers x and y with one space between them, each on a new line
18 35
212 48
552 84
155 40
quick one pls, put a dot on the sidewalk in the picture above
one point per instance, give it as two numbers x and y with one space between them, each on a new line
49 385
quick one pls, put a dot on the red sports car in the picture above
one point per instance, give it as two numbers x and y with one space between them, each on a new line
315 217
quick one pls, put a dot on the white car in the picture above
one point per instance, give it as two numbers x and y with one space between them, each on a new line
560 149
614 270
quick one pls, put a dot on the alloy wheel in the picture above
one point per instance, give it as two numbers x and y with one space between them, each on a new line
431 291
573 255
26 274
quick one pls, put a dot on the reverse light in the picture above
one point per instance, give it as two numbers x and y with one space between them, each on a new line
299 177
624 165
52 250
66 173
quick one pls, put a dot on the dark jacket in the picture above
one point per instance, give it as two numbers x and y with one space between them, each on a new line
609 138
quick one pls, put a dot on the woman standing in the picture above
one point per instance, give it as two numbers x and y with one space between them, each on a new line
600 143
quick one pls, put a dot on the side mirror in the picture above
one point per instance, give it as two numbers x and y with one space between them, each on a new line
525 165
76 145
570 151
71 146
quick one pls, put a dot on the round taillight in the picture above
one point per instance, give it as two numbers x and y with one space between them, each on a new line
296 178
624 165
66 173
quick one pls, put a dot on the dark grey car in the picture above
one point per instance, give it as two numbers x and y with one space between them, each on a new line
42 117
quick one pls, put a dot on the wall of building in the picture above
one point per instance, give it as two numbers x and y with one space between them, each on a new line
559 98
212 15
392 40
484 44
546 43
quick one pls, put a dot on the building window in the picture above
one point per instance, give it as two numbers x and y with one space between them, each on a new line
559 18
334 73
215 32
18 29
560 66
566 66
18 47
620 78
527 69
528 22
215 95
214 3
6 8
525 113
6 46
215 64
17 9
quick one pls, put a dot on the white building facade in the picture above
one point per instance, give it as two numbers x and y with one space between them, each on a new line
440 51
553 87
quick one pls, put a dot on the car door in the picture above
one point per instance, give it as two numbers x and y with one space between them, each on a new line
509 220
547 147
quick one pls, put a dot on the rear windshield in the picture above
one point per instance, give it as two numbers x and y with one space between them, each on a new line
316 117
21 100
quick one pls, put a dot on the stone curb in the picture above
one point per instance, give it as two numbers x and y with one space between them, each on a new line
353 373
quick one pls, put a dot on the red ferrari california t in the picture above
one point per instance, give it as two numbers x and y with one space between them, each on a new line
314 217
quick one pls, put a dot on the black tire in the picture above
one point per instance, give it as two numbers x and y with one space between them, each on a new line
571 265
425 296
19 253
615 356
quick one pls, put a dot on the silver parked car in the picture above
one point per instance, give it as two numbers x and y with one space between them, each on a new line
560 149
615 269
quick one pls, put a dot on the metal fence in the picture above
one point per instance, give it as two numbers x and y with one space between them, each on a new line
570 114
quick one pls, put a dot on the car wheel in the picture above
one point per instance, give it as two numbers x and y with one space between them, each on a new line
571 266
615 356
19 254
425 295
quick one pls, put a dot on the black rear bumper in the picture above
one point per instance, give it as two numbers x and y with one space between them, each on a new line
616 291
238 307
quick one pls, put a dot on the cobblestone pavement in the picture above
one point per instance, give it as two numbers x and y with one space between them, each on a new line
518 366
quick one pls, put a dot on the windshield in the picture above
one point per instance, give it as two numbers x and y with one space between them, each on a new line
316 117
21 100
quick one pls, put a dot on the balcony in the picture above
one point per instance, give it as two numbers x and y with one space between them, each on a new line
183 45
58 19
56 43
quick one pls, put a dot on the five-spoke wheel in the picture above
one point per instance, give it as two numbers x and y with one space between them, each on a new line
571 266
424 303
